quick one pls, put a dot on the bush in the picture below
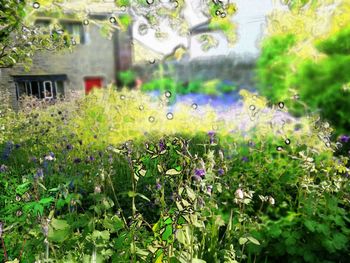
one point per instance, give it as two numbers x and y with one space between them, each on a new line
321 85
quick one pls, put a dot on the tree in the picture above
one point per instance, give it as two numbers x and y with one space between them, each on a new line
20 38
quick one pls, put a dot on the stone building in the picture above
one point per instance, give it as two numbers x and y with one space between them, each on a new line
93 62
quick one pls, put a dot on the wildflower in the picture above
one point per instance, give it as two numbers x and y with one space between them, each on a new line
271 200
18 198
221 171
199 172
50 157
162 145
239 194
19 213
7 151
245 159
39 174
344 138
97 189
77 160
211 136
209 189
33 159
158 186
3 168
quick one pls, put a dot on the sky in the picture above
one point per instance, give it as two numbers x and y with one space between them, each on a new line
250 17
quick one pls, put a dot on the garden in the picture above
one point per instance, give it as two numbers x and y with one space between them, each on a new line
150 175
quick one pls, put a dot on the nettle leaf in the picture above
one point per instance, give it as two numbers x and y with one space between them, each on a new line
59 224
47 200
100 234
21 189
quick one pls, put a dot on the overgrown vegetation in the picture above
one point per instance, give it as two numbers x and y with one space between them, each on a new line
82 181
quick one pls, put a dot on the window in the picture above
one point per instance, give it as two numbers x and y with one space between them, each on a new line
41 87
75 30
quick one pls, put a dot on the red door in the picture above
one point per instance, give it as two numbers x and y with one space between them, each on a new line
91 83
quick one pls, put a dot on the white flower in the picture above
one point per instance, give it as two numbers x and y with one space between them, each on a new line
97 189
271 200
49 158
239 193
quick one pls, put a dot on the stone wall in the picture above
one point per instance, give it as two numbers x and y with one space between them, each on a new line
94 58
237 70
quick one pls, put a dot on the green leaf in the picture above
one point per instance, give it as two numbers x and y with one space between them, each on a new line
47 200
197 260
191 194
59 224
143 197
253 240
172 172
167 233
242 240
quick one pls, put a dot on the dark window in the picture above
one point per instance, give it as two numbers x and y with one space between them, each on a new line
41 87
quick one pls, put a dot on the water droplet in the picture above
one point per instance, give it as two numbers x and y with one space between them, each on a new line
215 127
143 29
150 2
36 5
281 105
194 106
141 107
167 94
223 14
176 4
85 22
279 148
122 97
217 12
123 8
169 116
252 107
151 119
152 61
328 144
112 20
287 141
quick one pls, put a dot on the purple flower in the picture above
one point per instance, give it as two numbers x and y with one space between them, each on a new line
209 189
221 171
199 172
33 159
91 158
211 136
162 145
344 138
158 186
77 160
3 168
245 159
197 178
39 174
